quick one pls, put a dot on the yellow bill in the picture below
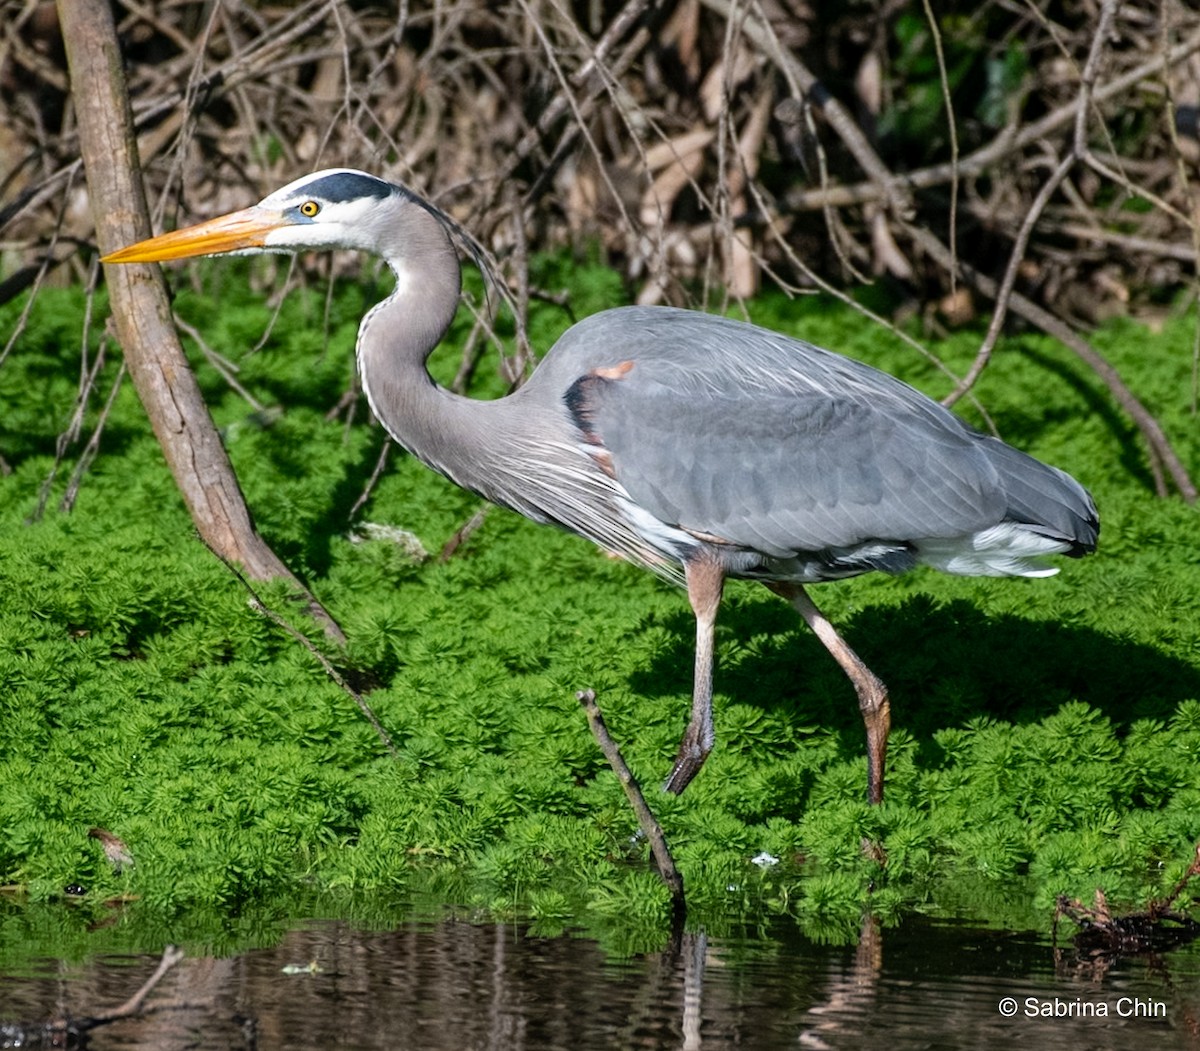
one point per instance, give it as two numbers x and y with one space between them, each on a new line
234 232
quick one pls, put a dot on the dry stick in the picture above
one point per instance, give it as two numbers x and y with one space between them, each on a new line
140 309
1087 79
1083 151
259 606
581 110
808 89
604 81
223 366
1157 908
160 25
189 117
356 102
952 126
280 297
462 533
47 261
242 67
376 474
1016 257
1093 161
472 352
817 281
1185 253
735 174
488 269
1053 326
617 28
514 367
264 54
93 444
648 823
792 71
87 381
68 1032
609 78
792 111
629 14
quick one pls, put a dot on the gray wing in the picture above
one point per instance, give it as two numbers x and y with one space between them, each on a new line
785 474
772 444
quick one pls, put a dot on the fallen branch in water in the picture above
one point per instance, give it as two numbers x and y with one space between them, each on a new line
1156 929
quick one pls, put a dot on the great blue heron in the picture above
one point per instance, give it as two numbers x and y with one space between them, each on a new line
697 446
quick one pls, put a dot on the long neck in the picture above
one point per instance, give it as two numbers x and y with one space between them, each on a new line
468 441
519 451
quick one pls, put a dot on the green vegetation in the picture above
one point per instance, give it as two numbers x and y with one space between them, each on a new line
1047 732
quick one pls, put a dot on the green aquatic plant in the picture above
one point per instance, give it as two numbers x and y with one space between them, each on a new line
1046 735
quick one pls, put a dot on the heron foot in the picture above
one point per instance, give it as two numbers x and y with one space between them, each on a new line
692 753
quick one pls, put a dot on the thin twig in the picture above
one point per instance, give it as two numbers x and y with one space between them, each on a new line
514 367
87 382
647 822
259 606
1004 294
93 444
47 261
952 127
223 366
1157 908
804 84
1049 188
376 474
462 533
595 64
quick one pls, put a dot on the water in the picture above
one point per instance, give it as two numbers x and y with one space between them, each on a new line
457 985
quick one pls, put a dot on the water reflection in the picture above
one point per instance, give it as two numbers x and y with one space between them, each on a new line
456 985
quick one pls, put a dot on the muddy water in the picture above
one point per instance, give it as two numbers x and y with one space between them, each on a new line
457 985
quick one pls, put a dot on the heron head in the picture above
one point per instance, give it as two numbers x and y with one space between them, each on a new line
335 208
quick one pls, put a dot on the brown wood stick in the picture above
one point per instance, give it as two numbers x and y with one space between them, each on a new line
647 822
141 313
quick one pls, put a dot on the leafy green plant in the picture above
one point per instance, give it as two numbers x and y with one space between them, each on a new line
1047 732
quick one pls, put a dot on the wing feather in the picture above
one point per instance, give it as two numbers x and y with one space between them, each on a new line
786 474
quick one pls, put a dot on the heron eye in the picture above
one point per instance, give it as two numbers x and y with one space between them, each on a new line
309 208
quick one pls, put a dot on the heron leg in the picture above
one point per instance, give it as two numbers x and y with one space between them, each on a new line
872 694
705 583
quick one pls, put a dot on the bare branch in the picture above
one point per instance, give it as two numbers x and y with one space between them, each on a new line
647 822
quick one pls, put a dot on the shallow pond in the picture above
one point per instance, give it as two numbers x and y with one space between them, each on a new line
455 985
